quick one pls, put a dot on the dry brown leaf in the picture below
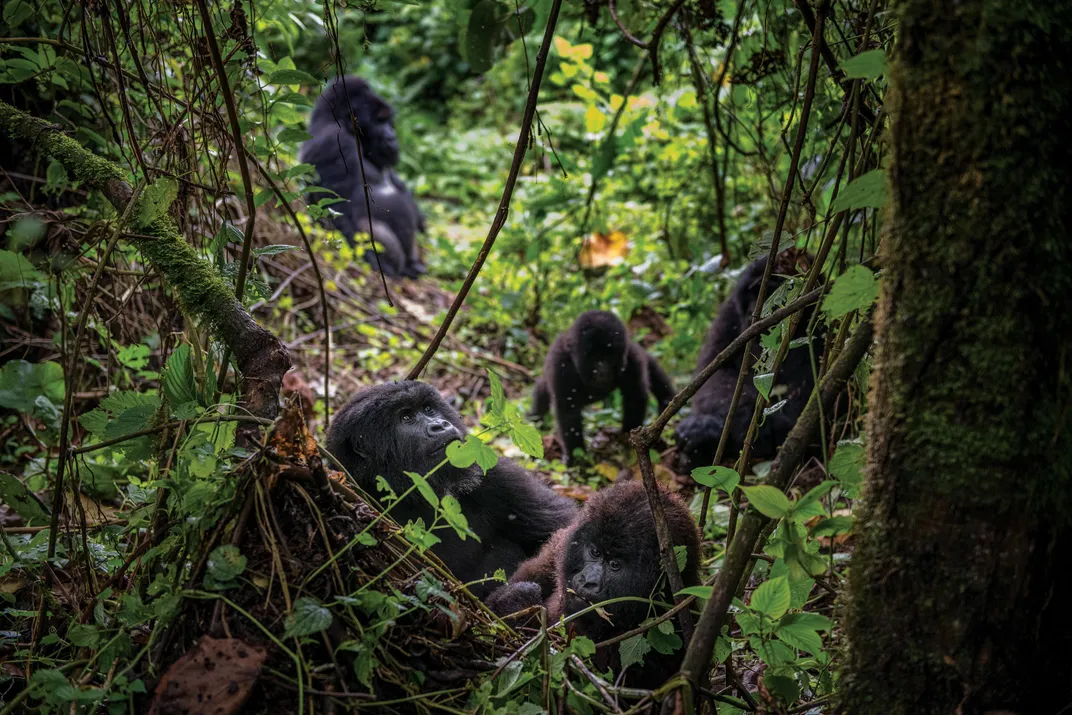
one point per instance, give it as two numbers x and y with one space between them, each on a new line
213 678
602 249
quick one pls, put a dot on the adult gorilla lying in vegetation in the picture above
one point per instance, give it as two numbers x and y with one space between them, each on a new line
609 551
588 362
400 427
698 434
395 217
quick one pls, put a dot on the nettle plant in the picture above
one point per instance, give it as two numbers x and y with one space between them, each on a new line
772 626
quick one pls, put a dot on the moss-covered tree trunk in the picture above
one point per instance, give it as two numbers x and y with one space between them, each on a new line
961 585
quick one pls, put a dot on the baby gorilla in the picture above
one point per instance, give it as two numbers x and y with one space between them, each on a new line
609 551
400 427
587 363
698 434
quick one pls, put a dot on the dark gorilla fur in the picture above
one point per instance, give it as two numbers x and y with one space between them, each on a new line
396 219
405 426
698 434
588 362
609 551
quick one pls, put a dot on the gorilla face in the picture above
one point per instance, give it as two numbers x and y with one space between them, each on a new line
599 568
391 429
375 118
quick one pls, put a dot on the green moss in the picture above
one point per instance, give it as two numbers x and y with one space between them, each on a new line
79 161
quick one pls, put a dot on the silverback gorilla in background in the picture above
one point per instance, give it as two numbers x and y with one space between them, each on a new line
399 427
395 219
698 434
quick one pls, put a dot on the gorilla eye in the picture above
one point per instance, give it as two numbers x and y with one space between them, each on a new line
406 416
615 565
429 410
594 552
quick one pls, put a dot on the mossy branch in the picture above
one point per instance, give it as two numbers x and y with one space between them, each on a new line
201 292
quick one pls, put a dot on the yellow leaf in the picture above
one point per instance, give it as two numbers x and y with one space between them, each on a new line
607 470
584 92
601 77
687 100
594 120
616 101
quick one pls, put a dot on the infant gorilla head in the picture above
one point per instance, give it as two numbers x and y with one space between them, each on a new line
609 551
399 427
613 552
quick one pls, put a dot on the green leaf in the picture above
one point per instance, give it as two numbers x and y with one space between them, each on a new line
681 557
723 649
810 504
226 563
800 637
772 597
180 386
424 488
21 382
497 401
847 467
136 357
308 617
663 642
783 687
528 440
452 512
273 250
811 621
16 270
767 500
482 35
582 646
716 477
416 533
472 451
17 12
293 134
156 199
291 77
866 65
21 500
867 191
764 383
632 650
855 289
297 99
832 526
84 635
131 420
703 592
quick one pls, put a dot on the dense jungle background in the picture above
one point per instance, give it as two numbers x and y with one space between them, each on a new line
181 323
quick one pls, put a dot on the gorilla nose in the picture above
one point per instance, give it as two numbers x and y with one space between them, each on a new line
438 426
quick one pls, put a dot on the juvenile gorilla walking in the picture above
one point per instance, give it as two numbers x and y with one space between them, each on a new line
395 218
698 434
589 361
400 427
609 551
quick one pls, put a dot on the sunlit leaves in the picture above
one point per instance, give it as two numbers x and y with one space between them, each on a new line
471 451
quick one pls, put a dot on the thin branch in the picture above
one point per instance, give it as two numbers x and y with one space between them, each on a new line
508 191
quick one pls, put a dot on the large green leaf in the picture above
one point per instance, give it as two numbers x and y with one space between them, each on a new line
855 289
767 500
15 494
308 617
21 382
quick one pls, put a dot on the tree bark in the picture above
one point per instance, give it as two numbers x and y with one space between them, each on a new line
961 591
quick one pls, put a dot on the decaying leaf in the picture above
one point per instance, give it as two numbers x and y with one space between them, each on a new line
601 249
213 678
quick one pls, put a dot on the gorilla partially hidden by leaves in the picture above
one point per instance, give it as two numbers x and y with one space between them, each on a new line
395 219
394 428
699 433
610 551
588 362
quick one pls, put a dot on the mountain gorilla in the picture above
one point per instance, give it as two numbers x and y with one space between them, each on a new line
400 427
588 362
698 434
609 551
396 219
